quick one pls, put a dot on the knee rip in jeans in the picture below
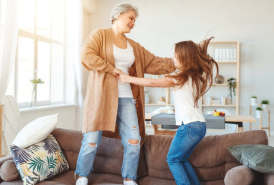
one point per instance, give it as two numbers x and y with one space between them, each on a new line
93 145
133 141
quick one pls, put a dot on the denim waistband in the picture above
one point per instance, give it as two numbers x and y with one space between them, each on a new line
195 122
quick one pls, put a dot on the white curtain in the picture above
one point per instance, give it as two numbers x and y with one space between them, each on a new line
74 43
8 40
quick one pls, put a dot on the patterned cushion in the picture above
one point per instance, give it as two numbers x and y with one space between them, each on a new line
39 161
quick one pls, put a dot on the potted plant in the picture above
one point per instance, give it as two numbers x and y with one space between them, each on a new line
265 104
258 112
253 100
232 84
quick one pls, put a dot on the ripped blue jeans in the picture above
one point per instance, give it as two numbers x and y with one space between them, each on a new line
127 123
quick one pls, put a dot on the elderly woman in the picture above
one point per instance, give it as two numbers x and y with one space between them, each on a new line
113 109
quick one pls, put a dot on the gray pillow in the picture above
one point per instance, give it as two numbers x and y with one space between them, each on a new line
257 157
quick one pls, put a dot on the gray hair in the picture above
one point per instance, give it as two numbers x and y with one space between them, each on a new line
122 8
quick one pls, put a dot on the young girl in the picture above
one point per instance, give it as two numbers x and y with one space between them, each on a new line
192 79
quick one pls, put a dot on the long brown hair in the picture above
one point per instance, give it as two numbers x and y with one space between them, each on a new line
197 64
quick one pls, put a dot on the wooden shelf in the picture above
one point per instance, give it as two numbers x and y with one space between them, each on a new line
227 62
156 104
223 42
236 65
218 105
219 85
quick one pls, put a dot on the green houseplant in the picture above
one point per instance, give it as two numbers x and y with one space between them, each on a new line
35 82
232 84
253 100
265 104
258 112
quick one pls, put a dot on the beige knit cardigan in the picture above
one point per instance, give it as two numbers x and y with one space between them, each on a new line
101 102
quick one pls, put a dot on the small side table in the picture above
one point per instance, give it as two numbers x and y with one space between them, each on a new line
261 120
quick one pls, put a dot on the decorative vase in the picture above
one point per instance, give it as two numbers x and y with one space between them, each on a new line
265 107
253 101
147 98
32 102
258 113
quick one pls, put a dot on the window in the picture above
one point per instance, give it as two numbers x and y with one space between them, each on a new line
40 52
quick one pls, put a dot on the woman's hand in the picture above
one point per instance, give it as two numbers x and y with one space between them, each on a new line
117 72
123 78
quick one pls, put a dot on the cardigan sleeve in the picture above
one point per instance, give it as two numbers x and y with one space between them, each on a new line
157 65
90 54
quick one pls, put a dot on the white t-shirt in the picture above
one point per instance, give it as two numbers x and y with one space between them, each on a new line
124 58
184 104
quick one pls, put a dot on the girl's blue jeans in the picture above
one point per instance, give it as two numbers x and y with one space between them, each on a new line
185 140
127 123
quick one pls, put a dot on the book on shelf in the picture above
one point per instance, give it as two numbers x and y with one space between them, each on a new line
220 55
223 100
227 55
230 55
224 55
234 55
217 55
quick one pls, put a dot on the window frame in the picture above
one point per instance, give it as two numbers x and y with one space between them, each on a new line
36 38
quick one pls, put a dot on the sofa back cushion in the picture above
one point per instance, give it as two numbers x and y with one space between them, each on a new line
109 155
210 159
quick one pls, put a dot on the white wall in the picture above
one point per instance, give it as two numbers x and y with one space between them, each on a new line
162 23
66 116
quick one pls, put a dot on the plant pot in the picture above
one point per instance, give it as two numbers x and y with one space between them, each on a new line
265 106
147 98
258 113
253 101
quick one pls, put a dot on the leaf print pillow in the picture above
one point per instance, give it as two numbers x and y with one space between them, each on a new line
40 161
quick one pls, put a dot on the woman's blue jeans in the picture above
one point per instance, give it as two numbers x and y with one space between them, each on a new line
185 140
127 123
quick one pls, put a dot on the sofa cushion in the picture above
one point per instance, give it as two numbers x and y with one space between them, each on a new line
9 172
109 156
155 181
95 178
20 182
39 161
210 154
257 157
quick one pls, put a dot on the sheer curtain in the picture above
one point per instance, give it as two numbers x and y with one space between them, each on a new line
8 40
74 71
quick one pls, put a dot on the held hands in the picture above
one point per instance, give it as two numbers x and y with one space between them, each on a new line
117 72
123 78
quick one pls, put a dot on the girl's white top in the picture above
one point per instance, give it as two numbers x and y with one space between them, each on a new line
124 58
184 104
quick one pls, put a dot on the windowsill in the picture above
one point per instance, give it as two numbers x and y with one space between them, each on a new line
45 107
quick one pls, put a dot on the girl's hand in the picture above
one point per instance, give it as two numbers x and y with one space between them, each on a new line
123 78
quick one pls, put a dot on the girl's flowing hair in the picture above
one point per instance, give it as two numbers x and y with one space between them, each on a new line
197 64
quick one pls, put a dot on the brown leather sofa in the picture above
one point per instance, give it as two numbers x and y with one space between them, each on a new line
213 164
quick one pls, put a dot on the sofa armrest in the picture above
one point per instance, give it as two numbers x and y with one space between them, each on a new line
4 159
268 179
242 175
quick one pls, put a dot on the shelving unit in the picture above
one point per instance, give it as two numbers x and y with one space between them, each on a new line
167 98
225 44
261 121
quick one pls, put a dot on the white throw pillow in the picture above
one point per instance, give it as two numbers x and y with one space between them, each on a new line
35 131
